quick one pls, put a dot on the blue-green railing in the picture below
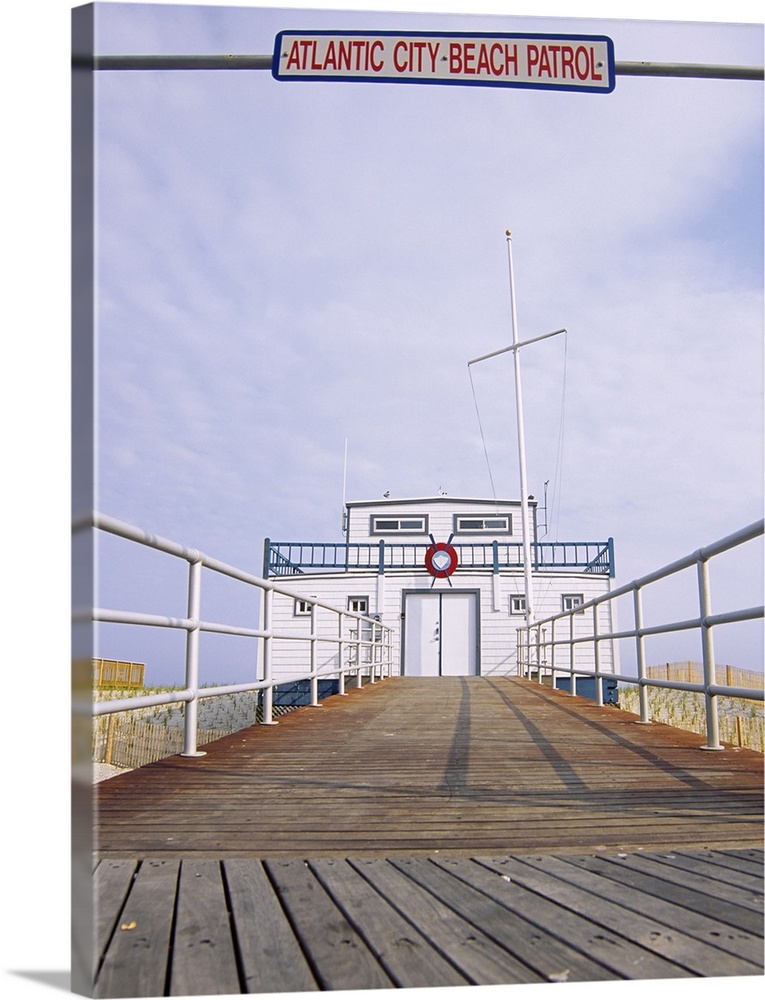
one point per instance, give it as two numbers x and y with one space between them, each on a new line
295 558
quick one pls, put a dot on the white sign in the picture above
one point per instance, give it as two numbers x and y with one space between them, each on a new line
549 62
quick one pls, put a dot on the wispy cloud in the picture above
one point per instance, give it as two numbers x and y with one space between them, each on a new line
284 267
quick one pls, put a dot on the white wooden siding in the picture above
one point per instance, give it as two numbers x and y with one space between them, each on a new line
440 514
497 624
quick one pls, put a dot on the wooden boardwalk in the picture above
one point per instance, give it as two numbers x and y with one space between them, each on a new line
431 832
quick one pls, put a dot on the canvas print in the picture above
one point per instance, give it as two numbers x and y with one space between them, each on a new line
417 540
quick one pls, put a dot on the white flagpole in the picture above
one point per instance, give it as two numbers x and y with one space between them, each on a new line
515 347
521 443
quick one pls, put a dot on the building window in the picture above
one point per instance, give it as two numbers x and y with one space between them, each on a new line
301 608
496 524
517 604
573 601
400 525
362 653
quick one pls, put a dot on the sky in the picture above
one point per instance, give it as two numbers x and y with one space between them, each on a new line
292 277
637 221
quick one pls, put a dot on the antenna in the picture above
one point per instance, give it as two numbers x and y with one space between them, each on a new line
344 522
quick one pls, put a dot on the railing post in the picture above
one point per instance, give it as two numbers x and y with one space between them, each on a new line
266 558
377 648
571 653
372 677
192 661
708 650
552 653
314 678
268 692
340 656
645 712
596 650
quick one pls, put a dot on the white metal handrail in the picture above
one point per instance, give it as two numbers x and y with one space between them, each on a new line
534 646
349 638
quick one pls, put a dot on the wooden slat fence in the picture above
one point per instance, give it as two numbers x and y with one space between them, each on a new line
129 742
688 670
742 722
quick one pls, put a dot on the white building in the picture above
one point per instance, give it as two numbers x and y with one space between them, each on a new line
447 575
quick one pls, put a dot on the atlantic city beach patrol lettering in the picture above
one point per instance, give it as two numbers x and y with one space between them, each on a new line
542 61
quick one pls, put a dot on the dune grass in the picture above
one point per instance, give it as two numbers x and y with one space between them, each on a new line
741 720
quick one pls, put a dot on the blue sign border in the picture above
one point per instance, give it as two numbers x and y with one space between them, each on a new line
430 81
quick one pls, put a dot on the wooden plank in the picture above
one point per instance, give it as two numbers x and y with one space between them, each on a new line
554 960
650 897
757 857
270 957
203 961
460 764
136 960
623 957
663 867
750 885
477 956
340 958
408 957
112 882
632 869
666 946
649 921
730 859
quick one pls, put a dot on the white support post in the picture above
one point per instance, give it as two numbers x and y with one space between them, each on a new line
314 677
340 656
268 625
596 650
552 654
708 653
645 711
192 661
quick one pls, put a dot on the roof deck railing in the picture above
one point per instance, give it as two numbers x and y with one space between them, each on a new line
298 558
366 651
554 645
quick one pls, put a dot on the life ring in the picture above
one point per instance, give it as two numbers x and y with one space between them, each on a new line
441 560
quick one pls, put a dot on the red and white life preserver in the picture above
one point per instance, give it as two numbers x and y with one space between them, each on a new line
441 560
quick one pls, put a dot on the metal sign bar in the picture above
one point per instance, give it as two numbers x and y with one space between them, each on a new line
265 62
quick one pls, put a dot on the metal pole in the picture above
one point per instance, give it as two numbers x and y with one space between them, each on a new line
268 692
265 62
521 441
598 675
645 713
705 610
340 656
314 678
192 661
552 654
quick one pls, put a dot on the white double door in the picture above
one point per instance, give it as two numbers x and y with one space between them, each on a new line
440 634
